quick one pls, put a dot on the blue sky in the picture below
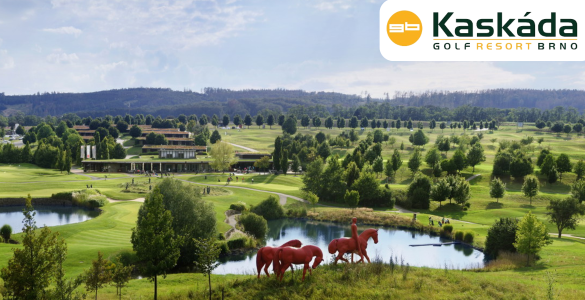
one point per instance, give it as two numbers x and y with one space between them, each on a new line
315 45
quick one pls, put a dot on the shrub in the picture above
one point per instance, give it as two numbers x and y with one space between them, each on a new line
97 202
63 196
459 235
448 228
501 237
5 232
468 237
401 200
270 209
240 206
128 258
223 246
254 224
297 212
237 243
220 236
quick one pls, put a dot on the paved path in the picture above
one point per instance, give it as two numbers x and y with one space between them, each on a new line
245 148
567 235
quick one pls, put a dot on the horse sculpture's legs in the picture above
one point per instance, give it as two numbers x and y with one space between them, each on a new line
266 268
340 256
283 269
366 255
305 270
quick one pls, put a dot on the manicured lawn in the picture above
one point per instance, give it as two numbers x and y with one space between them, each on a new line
30 173
288 184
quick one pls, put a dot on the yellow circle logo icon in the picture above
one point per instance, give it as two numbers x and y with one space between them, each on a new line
404 28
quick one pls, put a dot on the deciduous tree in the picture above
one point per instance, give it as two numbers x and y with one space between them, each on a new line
565 213
531 236
98 275
207 255
531 187
497 189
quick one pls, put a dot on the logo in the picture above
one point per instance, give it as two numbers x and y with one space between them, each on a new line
404 28
462 30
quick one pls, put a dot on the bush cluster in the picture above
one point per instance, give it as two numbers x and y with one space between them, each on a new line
254 224
240 206
89 198
270 209
63 196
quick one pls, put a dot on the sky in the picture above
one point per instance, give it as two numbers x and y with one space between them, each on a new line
314 45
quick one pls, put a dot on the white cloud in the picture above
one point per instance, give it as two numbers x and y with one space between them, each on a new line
417 77
65 30
59 57
162 24
337 5
6 61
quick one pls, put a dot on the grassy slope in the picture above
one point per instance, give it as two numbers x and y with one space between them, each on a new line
110 232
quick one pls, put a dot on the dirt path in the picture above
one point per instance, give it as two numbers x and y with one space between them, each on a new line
231 220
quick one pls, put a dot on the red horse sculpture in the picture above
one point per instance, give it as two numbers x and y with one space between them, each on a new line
265 255
348 245
286 256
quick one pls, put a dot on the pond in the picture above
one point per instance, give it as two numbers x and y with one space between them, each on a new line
46 215
391 243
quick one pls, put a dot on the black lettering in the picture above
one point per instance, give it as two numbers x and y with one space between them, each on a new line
540 46
563 46
468 29
481 26
437 24
553 26
572 27
505 26
574 46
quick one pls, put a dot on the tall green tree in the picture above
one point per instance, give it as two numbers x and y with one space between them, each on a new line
352 173
352 199
475 156
531 187
277 153
578 190
440 191
531 236
388 170
98 275
459 160
192 216
564 164
207 255
290 125
284 162
223 156
433 157
270 120
501 237
154 239
497 189
30 271
579 169
121 275
565 213
396 160
415 161
378 165
215 137
418 192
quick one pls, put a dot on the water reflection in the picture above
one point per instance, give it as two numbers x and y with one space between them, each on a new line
46 215
392 242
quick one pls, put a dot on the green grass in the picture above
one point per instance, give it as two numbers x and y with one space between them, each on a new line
289 184
110 233
31 173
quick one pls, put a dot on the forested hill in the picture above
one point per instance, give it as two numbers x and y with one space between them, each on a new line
159 101
497 98
166 102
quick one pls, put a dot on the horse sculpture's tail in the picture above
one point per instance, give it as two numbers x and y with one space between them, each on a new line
259 262
333 246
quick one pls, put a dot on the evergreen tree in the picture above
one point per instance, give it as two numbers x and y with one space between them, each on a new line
284 161
396 160
276 155
154 239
